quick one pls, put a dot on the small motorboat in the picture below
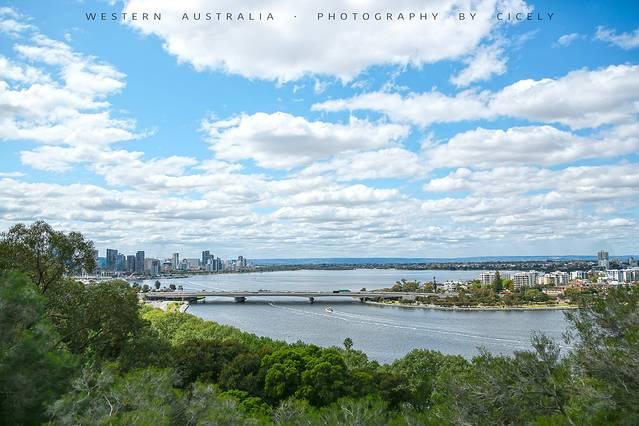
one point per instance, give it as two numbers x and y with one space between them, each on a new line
329 309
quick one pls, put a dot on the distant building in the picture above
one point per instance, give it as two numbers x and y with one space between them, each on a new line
130 263
578 275
175 261
140 266
111 259
120 264
192 264
602 259
487 278
525 279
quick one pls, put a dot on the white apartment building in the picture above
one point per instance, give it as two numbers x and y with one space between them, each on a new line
525 279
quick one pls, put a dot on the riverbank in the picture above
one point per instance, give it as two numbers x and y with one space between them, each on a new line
562 307
168 306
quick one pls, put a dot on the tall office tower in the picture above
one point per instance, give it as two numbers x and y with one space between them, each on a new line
111 259
206 255
130 263
175 263
120 263
139 262
602 258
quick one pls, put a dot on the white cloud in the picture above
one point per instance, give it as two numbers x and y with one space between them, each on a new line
384 163
420 109
485 62
284 141
626 41
567 39
543 145
580 99
296 44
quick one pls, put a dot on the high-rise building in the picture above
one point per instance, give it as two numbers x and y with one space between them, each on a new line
130 263
120 264
205 257
139 262
602 259
175 261
525 279
111 259
487 278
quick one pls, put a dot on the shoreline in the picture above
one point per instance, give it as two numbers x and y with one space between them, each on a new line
475 308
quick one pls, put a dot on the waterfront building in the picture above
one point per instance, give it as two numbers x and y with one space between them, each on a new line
192 264
111 259
130 263
525 279
120 264
140 265
487 278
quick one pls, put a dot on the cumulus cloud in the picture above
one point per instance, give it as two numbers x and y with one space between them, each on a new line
626 41
543 145
580 99
296 44
283 141
482 65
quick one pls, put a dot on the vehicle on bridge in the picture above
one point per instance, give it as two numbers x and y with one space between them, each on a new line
342 291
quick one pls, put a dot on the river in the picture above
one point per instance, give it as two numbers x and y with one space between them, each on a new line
385 333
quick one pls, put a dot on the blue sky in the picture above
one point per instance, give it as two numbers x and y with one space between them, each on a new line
306 138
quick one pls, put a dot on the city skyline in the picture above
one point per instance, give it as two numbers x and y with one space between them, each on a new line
438 138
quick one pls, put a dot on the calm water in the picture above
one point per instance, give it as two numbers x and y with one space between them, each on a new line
385 333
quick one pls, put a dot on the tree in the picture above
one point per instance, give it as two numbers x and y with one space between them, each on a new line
95 319
606 352
497 284
348 343
44 254
33 371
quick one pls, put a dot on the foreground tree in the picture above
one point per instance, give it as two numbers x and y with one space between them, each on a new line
32 370
606 355
45 254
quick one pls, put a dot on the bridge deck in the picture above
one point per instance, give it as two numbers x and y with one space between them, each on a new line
303 294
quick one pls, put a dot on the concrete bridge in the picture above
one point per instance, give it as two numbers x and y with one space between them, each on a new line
240 296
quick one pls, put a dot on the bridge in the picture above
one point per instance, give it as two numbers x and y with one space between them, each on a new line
241 296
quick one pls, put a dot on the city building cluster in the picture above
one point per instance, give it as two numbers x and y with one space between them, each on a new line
601 274
115 263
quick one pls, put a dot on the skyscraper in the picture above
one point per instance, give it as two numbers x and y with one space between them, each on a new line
139 262
111 259
175 263
130 263
602 259
205 257
120 264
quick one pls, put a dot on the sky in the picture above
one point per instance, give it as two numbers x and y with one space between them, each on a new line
304 137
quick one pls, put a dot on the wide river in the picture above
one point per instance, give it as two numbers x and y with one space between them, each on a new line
385 333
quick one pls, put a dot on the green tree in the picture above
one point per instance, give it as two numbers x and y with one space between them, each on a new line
348 343
497 284
606 352
33 371
97 319
203 360
44 254
141 397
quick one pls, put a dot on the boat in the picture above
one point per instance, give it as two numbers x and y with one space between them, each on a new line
329 309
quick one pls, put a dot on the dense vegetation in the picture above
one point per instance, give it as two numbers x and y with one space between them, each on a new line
91 354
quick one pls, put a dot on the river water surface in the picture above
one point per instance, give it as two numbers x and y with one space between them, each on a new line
385 333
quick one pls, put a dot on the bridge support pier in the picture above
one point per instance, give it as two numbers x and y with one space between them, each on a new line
240 299
362 299
311 299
